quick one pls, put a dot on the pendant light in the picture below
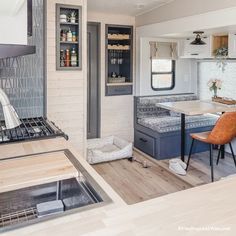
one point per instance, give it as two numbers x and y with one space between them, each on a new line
198 40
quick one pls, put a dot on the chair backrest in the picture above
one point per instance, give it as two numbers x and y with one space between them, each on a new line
224 130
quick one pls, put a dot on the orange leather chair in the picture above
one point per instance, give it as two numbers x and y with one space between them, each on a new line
223 133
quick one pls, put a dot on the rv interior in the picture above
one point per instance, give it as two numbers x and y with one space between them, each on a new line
117 117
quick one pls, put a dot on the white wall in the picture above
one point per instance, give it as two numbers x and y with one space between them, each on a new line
13 28
116 111
185 78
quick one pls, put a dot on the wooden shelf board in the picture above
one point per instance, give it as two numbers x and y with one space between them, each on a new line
119 84
68 23
68 42
118 39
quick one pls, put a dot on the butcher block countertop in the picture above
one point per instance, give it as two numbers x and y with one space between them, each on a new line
205 210
31 170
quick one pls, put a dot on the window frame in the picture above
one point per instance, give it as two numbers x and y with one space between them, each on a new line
164 73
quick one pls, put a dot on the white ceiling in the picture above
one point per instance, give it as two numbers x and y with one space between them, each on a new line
125 7
10 7
207 32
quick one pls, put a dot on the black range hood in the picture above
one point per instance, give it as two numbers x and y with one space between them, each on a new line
15 50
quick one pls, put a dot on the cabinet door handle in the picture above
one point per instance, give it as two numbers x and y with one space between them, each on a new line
143 140
194 54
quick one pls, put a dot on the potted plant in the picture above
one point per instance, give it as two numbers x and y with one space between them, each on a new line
214 85
221 55
73 15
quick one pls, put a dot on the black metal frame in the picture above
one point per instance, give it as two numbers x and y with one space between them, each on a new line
172 72
211 156
182 136
26 131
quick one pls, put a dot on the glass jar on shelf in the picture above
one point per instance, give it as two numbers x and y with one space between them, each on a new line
73 57
74 37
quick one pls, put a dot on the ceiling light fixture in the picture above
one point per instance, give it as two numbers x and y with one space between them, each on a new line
198 40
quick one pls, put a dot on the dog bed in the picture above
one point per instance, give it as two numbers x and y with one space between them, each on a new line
108 149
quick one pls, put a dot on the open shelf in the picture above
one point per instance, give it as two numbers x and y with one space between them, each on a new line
219 42
68 52
119 59
68 23
66 42
119 84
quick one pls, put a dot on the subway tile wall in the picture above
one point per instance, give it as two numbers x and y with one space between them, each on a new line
22 78
209 70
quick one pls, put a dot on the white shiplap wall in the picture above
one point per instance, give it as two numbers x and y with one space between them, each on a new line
116 111
66 90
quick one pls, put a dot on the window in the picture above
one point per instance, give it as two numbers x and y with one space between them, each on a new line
162 74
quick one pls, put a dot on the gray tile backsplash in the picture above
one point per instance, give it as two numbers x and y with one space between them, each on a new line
22 78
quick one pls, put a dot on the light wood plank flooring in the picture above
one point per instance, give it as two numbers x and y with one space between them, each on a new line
135 184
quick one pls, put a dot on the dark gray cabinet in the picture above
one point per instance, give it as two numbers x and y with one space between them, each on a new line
68 37
119 60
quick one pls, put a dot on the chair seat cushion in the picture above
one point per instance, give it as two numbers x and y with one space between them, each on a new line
201 136
169 123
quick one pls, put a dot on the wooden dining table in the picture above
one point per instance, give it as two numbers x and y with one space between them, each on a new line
192 108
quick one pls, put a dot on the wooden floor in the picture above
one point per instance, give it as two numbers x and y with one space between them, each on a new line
135 184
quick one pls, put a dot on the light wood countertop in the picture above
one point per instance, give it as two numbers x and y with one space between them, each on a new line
37 169
196 107
211 205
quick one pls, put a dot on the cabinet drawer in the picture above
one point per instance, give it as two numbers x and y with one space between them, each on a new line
145 143
119 90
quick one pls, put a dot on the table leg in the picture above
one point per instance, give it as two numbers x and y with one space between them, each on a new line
223 148
182 136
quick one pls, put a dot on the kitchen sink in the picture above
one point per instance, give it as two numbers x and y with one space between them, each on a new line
21 207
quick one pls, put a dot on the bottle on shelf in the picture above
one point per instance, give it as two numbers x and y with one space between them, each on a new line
63 35
69 36
67 58
74 38
73 57
62 58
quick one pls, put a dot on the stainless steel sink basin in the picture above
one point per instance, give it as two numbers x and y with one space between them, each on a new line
19 207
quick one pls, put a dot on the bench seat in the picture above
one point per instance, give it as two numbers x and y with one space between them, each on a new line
157 130
166 124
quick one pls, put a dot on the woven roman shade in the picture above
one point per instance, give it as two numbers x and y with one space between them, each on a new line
163 50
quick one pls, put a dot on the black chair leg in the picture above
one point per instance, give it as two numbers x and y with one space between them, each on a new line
212 167
190 153
232 151
218 157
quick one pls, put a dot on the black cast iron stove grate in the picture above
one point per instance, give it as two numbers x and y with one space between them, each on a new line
31 128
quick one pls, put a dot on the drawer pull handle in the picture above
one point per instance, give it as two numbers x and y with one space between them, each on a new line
194 54
143 140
